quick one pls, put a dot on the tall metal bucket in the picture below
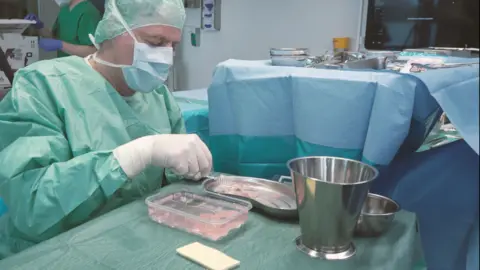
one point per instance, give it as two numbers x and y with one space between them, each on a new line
330 193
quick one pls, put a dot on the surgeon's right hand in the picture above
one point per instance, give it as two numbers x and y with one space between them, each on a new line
186 155
38 23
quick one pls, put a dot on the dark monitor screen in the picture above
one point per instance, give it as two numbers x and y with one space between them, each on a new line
407 24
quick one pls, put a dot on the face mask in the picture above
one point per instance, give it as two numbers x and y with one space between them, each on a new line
62 2
150 66
143 76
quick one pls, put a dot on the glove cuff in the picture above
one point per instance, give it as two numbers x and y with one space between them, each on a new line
135 156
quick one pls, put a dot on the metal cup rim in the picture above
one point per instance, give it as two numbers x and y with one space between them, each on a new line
397 209
375 171
289 49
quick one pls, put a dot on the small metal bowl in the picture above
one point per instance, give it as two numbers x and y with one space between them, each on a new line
289 52
377 216
289 61
289 57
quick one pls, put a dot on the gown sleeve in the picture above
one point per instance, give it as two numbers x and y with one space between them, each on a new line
46 189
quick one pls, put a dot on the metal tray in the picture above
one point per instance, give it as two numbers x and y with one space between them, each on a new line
289 52
376 63
355 62
273 198
289 61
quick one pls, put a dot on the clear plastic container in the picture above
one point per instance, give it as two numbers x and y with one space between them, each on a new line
210 217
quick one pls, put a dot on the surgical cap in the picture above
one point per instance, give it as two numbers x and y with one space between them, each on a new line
138 13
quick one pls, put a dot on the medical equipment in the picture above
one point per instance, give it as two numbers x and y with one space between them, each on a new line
211 217
273 198
18 51
6 73
443 51
291 57
337 60
377 63
377 216
394 25
330 193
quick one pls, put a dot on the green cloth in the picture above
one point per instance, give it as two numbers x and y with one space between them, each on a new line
137 14
59 125
73 26
127 239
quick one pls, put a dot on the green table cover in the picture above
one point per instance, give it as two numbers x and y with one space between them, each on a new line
127 239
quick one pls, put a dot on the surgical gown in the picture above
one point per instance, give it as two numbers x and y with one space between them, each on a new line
59 125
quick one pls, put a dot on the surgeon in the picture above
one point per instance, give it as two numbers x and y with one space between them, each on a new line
82 136
69 35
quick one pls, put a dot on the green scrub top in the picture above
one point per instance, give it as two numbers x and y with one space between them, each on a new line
74 25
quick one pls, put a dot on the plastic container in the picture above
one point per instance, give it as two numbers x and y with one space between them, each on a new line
210 217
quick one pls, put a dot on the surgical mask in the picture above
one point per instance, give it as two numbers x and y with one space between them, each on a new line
150 66
62 2
148 71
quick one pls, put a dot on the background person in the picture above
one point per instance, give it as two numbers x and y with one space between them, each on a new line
69 34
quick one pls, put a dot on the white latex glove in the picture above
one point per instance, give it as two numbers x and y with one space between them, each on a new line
185 155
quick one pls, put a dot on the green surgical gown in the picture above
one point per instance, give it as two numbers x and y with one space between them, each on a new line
74 25
58 127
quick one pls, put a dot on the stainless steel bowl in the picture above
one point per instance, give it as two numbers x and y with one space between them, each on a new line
289 52
289 57
289 61
377 216
376 63
330 192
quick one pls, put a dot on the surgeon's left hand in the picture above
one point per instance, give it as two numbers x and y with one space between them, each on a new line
50 44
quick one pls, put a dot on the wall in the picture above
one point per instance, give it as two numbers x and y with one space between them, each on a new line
251 27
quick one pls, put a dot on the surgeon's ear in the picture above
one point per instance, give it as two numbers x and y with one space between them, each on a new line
122 48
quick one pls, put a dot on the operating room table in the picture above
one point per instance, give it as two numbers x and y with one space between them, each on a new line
439 185
127 239
194 107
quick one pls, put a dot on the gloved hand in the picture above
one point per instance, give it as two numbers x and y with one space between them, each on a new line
50 44
185 155
32 17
